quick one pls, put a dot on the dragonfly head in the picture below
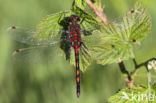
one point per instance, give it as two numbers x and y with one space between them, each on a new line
74 18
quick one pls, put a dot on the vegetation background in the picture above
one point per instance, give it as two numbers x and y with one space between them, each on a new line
22 82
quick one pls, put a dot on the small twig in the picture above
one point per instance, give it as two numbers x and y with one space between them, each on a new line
99 12
137 66
129 82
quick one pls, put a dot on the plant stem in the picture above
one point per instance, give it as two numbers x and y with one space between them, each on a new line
99 12
129 80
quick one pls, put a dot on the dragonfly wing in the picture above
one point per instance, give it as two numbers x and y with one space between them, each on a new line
38 54
84 58
49 31
25 35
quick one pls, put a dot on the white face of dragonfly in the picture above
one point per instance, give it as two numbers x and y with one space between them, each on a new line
74 20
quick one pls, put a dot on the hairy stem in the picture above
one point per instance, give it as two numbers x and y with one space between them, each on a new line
99 12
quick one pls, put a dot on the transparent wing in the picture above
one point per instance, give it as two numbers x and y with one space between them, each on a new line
85 58
26 36
38 54
49 31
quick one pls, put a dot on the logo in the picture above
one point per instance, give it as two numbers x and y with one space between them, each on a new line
138 96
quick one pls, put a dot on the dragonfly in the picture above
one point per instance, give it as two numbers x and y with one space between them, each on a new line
62 31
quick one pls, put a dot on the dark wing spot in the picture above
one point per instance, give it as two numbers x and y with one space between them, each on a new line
13 27
132 11
133 40
17 51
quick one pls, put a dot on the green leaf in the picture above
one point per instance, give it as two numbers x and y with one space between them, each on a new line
136 24
111 47
110 52
119 39
49 27
85 58
135 94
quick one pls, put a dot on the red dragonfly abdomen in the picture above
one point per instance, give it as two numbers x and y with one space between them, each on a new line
75 39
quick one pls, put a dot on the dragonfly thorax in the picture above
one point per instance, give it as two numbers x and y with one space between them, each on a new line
74 29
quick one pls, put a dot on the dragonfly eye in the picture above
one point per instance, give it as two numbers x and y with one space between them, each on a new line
13 27
74 18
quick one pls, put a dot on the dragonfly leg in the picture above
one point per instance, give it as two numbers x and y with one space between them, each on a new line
84 45
65 31
83 17
82 20
81 43
85 32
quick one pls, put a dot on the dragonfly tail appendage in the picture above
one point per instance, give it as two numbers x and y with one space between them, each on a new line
77 71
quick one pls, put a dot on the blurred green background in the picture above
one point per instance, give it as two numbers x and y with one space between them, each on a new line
22 82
